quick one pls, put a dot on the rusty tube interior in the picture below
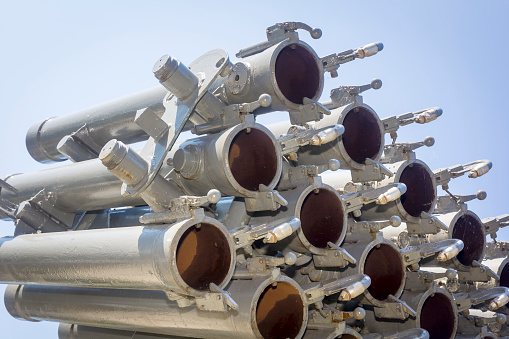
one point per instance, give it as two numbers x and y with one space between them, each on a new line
420 191
322 217
383 265
469 230
297 74
203 256
362 137
437 316
280 311
252 159
504 276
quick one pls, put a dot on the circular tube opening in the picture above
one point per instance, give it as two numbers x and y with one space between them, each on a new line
504 276
383 266
321 217
280 311
420 191
297 74
203 256
253 159
469 230
362 137
437 316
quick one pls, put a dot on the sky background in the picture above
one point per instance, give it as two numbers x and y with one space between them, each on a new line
60 56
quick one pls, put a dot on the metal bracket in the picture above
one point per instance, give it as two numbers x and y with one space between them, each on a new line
334 256
392 124
79 146
448 249
354 284
233 115
344 95
455 202
477 273
499 297
371 171
382 195
428 224
332 62
177 112
183 207
359 229
494 224
292 142
217 300
278 33
404 151
265 200
271 233
311 110
475 169
395 309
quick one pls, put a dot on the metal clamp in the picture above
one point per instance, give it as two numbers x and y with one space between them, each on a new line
270 233
353 286
392 124
475 169
332 62
334 256
395 309
344 95
404 151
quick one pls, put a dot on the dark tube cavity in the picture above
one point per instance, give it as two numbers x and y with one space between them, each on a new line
383 266
253 159
322 218
203 256
297 74
362 138
280 311
420 191
469 230
437 316
504 276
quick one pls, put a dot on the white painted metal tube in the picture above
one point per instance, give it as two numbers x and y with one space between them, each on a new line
267 309
106 121
73 331
184 257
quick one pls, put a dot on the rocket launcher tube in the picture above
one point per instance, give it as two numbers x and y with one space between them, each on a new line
75 331
103 122
427 305
363 138
266 309
467 227
184 257
322 216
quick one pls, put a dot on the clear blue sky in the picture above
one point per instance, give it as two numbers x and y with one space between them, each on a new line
60 56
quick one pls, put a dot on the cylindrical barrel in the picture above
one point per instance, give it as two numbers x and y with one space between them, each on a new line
380 259
501 267
267 309
420 196
467 227
83 186
436 313
73 331
236 161
363 138
322 215
184 257
110 120
320 334
413 333
289 72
